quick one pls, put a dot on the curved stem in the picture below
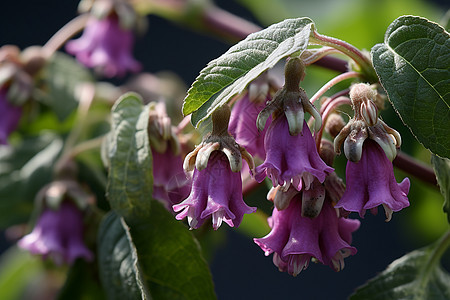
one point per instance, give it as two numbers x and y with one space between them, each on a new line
349 50
185 122
225 23
66 32
331 99
313 55
332 82
335 102
86 146
86 98
416 168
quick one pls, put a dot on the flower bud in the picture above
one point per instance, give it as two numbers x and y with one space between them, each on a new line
334 124
312 200
294 72
33 59
363 97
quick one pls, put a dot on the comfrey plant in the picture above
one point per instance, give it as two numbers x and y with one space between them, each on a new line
122 186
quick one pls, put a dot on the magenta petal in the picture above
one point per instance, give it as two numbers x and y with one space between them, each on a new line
105 45
371 183
289 157
296 239
243 126
58 234
217 192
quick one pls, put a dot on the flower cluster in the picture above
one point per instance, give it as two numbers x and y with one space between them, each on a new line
310 219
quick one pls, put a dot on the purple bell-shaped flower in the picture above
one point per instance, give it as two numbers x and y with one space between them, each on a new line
216 184
58 234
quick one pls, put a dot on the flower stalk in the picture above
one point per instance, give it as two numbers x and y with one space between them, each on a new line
351 51
64 34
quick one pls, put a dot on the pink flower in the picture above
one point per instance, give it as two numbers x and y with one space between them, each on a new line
170 184
243 126
10 117
295 240
371 182
58 234
217 192
106 46
291 158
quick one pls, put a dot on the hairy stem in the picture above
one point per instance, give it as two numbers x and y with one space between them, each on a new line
351 51
225 23
65 33
329 108
86 97
414 167
333 82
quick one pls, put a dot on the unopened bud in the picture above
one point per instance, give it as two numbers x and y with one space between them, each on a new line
363 96
369 112
312 200
334 124
220 118
326 152
294 72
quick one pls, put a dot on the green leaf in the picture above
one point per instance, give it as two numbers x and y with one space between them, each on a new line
130 178
442 169
17 269
81 283
156 256
61 76
416 276
117 261
170 258
229 74
413 65
24 170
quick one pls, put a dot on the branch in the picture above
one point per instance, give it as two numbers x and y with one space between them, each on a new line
236 29
416 168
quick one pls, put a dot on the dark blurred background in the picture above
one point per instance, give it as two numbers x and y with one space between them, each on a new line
240 269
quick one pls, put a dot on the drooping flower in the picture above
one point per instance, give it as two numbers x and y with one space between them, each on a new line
245 113
371 182
291 158
106 46
295 240
291 154
366 124
216 185
370 146
10 116
217 193
170 184
58 234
